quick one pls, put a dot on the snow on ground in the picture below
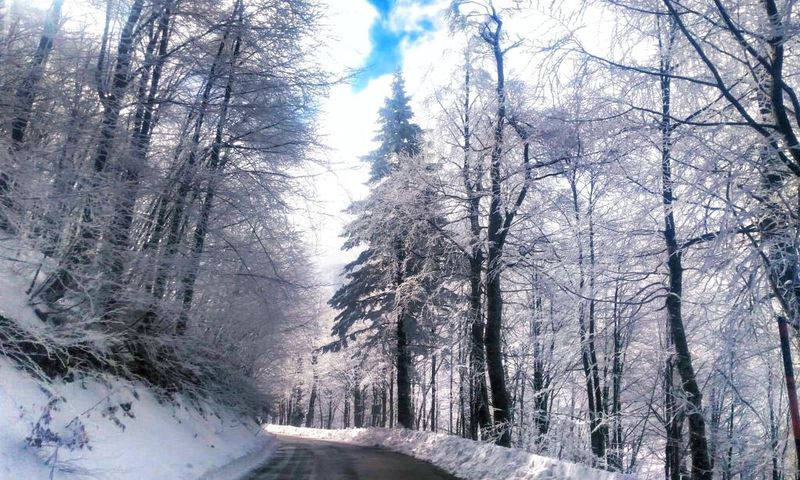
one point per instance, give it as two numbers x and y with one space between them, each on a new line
126 432
107 428
463 458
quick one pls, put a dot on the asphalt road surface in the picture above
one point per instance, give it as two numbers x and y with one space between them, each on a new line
306 459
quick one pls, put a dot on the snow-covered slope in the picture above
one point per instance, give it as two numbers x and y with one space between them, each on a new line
114 429
465 459
105 427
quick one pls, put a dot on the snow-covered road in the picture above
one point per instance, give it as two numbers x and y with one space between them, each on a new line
307 459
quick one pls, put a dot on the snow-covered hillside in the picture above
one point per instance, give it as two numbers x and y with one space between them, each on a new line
100 426
114 429
463 458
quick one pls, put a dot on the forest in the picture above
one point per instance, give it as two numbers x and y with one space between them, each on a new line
580 237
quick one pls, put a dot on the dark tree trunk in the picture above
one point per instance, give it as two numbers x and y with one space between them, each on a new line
374 414
26 92
541 417
433 393
462 407
615 460
791 386
673 418
480 418
24 100
494 354
673 413
598 431
321 412
494 293
451 400
346 413
698 442
775 225
358 407
521 420
312 398
405 417
329 424
391 398
384 405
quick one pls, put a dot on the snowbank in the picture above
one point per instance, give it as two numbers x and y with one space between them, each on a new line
114 429
463 458
107 428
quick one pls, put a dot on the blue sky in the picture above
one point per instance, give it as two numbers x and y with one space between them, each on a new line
385 55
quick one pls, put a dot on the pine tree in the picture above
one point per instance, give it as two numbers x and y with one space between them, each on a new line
391 278
398 136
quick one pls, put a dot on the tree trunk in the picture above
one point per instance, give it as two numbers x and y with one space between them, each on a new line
405 418
391 398
346 413
540 394
329 425
312 398
480 417
450 397
698 442
791 386
494 292
615 460
775 225
774 429
383 404
462 408
26 92
433 393
521 421
597 431
358 407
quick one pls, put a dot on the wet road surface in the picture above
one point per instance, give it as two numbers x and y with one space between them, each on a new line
306 459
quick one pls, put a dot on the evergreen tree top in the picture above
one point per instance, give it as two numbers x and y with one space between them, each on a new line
397 134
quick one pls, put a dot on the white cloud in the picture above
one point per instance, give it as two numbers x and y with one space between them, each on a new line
348 122
430 62
347 25
408 15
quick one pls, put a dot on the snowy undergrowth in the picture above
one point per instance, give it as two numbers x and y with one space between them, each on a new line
115 429
98 426
466 459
